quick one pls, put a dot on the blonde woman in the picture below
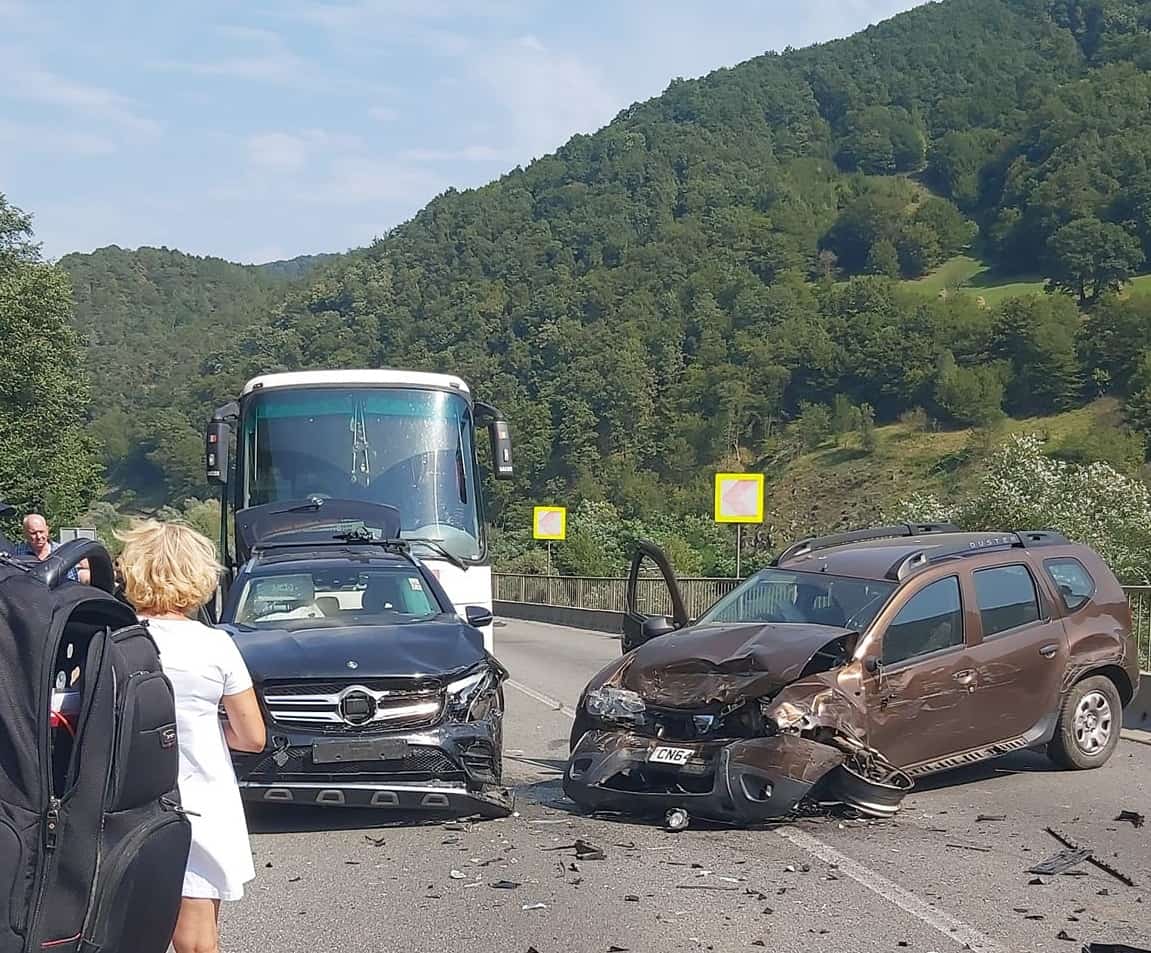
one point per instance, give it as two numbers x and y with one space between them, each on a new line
169 571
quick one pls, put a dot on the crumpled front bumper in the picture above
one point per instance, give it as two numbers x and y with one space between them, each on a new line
453 767
740 782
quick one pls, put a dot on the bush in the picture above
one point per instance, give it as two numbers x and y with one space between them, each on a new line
1024 488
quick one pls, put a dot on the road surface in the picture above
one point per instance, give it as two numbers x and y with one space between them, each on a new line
935 878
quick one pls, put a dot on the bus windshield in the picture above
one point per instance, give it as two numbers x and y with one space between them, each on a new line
411 449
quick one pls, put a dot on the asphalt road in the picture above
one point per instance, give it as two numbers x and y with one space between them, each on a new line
935 878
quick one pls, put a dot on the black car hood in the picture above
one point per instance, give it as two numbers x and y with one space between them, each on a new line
378 651
721 665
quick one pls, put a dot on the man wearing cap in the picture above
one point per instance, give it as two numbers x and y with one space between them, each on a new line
38 543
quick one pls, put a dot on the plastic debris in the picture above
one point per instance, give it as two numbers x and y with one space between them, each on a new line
1132 817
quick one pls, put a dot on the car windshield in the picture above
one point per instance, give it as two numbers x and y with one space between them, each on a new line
326 597
411 449
775 595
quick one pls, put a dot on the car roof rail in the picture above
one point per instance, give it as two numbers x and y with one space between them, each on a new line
804 546
1024 539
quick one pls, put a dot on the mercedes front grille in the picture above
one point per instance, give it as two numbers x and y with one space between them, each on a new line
365 705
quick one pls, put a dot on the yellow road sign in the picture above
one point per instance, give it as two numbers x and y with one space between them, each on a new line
550 522
739 497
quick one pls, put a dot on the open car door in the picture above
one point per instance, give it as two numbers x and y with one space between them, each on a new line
646 592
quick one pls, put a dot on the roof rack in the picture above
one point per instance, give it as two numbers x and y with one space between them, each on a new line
805 546
1024 539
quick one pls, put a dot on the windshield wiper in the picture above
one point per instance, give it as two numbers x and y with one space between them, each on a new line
438 546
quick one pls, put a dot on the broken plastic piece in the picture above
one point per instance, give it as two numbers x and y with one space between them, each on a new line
1064 860
677 819
1133 817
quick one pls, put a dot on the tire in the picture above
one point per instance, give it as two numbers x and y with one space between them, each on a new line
1090 719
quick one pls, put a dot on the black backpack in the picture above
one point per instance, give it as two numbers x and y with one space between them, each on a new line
93 843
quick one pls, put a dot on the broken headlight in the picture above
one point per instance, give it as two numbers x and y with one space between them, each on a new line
615 704
471 697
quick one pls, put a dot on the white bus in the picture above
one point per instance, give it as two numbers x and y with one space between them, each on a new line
405 439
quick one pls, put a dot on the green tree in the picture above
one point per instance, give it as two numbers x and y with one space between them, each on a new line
1088 257
49 460
969 395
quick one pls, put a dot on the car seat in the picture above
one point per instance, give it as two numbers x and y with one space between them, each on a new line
329 605
382 595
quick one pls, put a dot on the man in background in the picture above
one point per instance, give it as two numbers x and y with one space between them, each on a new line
38 543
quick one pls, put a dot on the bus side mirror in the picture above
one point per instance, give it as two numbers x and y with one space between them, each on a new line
216 452
501 449
501 437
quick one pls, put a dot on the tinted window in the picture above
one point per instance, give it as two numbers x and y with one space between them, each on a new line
930 621
1073 580
324 597
1006 598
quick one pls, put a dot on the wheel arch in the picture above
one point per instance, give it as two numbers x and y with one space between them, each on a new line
1116 673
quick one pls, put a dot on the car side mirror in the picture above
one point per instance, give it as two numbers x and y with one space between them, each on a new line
478 616
656 625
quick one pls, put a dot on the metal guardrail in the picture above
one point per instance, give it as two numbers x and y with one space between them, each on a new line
700 593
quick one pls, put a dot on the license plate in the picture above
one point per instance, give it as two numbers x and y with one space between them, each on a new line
375 749
670 755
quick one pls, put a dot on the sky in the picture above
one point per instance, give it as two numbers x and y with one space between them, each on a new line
257 130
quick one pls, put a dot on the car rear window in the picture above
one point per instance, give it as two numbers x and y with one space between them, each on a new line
1006 598
1075 584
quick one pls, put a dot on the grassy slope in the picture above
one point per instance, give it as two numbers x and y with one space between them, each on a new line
843 487
970 275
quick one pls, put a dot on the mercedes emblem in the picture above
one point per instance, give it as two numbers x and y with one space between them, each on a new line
352 663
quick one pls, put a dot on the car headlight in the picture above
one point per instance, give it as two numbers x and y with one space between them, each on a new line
615 704
470 697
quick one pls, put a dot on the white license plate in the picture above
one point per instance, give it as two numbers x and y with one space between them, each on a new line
670 755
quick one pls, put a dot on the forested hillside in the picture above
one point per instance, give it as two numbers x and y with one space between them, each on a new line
720 277
149 318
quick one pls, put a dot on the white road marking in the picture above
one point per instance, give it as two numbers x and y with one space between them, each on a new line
955 930
553 703
908 902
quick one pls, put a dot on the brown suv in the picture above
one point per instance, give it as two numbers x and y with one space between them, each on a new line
851 666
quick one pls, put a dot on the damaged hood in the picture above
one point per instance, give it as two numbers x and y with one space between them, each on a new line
723 665
415 649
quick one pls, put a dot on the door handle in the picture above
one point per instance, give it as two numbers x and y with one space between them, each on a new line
1048 651
966 677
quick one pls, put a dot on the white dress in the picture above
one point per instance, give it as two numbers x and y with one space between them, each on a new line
203 664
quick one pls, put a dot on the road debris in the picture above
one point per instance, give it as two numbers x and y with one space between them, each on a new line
534 906
1101 864
1064 860
505 885
457 875
990 817
984 850
376 841
1133 817
1113 948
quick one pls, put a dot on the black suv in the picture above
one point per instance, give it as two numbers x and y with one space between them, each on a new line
375 691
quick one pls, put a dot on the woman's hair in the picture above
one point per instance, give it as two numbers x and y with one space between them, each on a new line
167 567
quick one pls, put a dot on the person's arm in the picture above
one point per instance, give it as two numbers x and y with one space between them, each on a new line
244 730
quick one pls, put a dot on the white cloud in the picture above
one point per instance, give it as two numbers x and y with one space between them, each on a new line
547 96
354 180
22 81
466 154
32 137
292 152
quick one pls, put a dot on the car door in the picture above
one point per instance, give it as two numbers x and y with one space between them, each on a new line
920 675
652 593
1020 654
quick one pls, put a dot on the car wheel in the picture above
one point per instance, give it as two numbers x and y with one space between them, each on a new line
1089 723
